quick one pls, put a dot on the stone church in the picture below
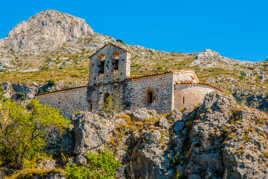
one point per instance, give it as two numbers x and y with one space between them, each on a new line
110 78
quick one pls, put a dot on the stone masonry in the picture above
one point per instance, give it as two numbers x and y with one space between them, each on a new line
110 78
67 101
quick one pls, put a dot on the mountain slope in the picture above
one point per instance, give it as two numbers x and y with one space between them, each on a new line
45 31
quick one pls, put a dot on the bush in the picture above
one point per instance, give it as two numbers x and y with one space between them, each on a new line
51 83
43 68
111 102
1 91
77 172
120 41
100 166
21 96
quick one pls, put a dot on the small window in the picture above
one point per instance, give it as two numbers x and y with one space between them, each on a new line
183 100
115 60
90 105
150 96
115 64
101 58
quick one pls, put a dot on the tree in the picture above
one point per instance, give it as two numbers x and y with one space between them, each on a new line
22 131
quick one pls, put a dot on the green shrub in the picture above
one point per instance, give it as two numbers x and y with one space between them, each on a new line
43 68
48 60
77 172
51 83
1 91
120 41
111 102
100 166
103 164
21 95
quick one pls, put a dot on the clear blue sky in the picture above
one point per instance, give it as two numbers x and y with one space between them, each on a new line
235 28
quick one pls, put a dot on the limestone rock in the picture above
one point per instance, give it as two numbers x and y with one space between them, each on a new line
29 92
43 32
207 142
90 132
142 114
47 164
209 58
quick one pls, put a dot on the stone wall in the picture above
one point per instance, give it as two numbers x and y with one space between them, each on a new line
186 95
67 101
118 92
108 64
136 92
160 86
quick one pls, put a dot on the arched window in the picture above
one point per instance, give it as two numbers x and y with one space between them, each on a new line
150 96
101 58
115 60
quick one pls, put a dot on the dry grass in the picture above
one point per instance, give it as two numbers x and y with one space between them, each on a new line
69 75
30 172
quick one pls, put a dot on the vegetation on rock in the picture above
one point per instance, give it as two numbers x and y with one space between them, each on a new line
22 132
100 166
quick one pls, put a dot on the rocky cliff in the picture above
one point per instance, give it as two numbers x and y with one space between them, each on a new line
219 139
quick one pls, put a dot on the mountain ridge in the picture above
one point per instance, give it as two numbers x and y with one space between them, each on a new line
44 31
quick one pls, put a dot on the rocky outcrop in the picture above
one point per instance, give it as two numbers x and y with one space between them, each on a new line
18 91
44 32
219 139
209 58
91 134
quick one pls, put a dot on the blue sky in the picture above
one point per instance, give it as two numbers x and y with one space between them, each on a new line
235 28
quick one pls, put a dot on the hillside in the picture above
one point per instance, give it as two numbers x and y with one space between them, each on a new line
223 137
55 46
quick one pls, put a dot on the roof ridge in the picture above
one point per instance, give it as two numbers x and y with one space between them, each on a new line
200 83
106 44
41 94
